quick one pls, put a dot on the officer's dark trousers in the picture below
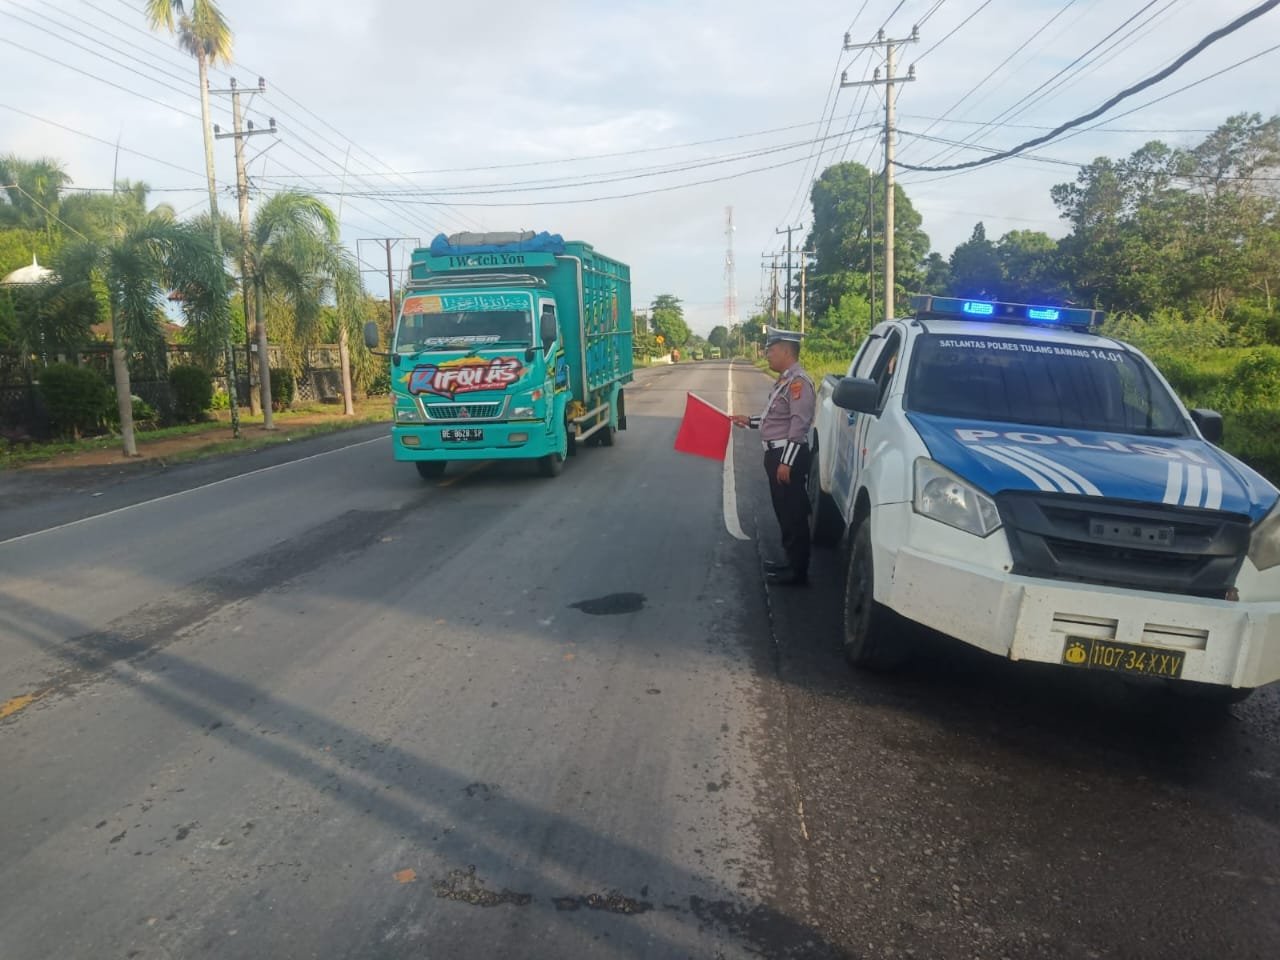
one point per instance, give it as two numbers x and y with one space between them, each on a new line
791 506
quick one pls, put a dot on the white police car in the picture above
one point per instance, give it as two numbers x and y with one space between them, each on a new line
1008 476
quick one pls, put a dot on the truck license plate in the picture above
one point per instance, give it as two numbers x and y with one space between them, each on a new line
461 436
1122 657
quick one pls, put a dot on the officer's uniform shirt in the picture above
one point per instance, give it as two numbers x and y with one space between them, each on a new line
788 416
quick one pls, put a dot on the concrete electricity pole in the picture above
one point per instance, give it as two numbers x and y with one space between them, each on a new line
787 231
804 264
240 133
890 81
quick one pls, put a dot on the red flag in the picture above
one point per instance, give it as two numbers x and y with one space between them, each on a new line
705 429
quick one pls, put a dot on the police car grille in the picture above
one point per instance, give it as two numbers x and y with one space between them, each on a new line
1177 550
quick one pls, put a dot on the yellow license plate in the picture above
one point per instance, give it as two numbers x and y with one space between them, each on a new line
1122 657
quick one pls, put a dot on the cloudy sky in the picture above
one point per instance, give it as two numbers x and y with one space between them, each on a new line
429 116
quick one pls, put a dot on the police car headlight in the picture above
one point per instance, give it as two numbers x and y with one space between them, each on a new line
942 496
1264 542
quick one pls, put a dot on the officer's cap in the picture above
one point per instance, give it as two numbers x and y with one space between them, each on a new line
773 335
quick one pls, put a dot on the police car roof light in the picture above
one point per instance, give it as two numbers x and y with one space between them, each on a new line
995 311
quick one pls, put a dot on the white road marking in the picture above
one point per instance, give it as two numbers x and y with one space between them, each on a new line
180 493
731 521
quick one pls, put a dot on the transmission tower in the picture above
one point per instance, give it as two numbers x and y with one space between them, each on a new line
730 273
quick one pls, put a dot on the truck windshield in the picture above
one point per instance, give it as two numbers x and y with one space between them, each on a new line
462 328
1042 384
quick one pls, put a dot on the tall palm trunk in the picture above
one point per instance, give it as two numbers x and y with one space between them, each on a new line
264 359
202 62
344 358
124 390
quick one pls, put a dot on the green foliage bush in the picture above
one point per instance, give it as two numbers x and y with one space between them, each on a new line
77 398
192 393
281 388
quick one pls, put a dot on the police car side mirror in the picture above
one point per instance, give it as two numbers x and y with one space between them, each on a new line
1210 424
857 394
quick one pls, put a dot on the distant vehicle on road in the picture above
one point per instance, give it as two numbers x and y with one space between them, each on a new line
509 346
1006 475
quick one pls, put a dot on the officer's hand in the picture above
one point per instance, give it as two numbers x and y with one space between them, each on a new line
740 421
784 473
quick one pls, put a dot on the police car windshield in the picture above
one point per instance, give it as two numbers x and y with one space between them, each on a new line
1045 384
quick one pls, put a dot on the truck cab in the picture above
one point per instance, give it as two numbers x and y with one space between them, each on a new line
1010 477
508 346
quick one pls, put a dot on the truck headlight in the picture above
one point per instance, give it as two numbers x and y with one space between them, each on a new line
942 496
1264 542
408 415
522 413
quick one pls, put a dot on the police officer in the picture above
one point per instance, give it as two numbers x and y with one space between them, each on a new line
784 429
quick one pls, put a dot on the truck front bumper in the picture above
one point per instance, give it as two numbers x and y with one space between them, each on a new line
508 440
1222 642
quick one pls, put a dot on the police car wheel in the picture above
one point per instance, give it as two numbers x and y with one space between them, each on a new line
431 469
872 638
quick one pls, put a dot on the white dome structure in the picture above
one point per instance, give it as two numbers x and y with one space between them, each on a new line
28 276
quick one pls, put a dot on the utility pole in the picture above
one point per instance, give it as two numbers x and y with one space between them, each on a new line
871 244
804 264
240 133
890 81
772 266
787 231
385 245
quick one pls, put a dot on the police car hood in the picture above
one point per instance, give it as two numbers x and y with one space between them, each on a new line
1185 471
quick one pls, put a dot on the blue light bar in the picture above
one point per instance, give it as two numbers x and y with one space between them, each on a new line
995 311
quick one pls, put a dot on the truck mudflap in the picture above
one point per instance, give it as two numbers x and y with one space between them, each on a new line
1085 627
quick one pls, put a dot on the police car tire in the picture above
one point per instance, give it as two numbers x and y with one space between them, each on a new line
873 636
431 469
552 465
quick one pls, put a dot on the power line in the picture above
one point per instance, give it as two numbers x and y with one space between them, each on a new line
94 76
623 175
1138 87
104 142
596 156
954 30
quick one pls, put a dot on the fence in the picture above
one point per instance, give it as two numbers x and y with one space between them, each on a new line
21 405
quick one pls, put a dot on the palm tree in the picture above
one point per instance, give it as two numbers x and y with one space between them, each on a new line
33 189
205 34
294 255
134 269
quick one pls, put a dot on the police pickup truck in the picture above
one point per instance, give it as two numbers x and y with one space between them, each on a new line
1008 476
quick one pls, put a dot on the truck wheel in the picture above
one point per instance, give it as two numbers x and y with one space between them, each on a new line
873 637
1210 695
826 526
552 465
431 469
606 437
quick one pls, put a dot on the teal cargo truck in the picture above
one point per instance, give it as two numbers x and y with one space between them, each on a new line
509 346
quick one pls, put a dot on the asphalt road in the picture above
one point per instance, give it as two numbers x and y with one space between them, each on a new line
304 704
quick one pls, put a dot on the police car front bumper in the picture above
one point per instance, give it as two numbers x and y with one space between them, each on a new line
1082 626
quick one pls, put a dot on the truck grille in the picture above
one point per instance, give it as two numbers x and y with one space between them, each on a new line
1180 550
462 411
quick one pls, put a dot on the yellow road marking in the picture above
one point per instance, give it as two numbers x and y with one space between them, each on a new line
10 707
466 473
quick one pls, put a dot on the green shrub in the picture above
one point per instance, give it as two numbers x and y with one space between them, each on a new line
281 388
221 401
1254 437
76 397
379 384
192 393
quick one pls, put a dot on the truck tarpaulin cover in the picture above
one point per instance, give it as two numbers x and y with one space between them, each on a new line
705 429
529 242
